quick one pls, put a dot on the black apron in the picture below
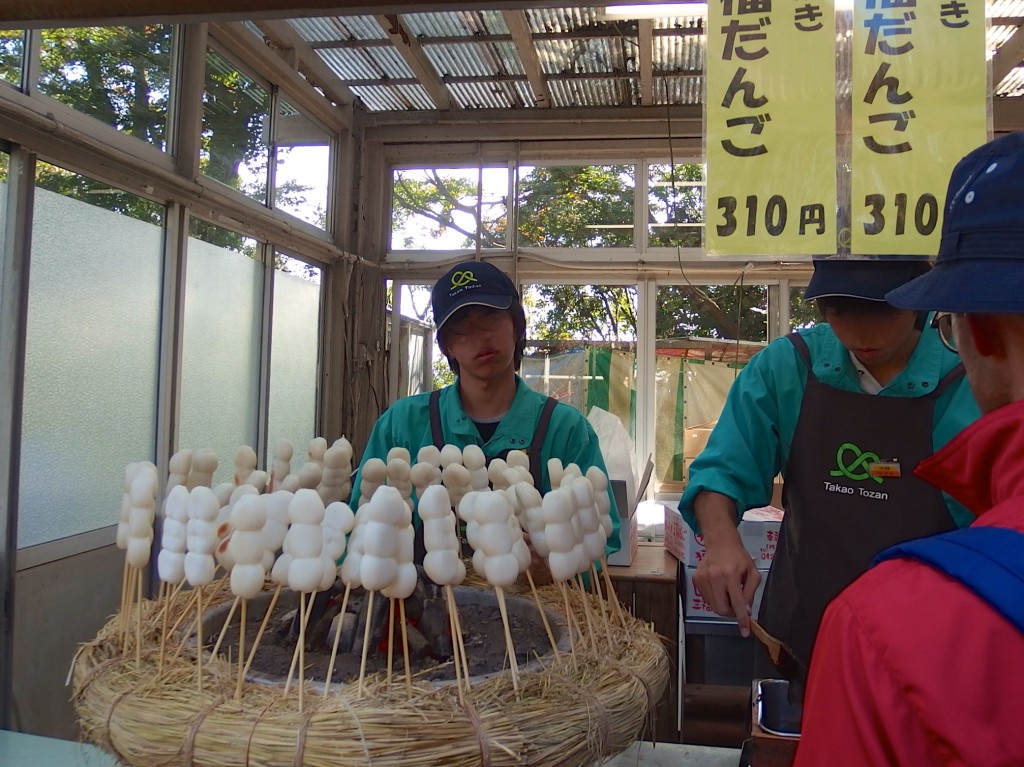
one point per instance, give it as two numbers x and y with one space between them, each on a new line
849 493
533 452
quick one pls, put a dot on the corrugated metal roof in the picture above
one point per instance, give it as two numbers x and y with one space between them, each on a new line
585 61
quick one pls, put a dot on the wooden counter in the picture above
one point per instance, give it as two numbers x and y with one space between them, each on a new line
647 588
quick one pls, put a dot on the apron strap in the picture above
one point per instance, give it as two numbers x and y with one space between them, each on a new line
949 379
987 560
539 433
436 430
804 353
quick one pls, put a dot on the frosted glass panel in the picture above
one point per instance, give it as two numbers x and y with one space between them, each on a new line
220 352
293 356
91 365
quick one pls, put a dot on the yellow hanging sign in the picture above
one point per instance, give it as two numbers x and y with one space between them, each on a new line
770 131
919 105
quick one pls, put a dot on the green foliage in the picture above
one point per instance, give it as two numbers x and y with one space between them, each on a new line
119 75
568 206
12 52
448 199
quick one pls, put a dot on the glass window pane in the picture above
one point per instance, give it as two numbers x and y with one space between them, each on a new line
436 208
581 346
302 152
294 353
91 361
221 344
705 334
12 55
119 75
236 128
582 206
675 205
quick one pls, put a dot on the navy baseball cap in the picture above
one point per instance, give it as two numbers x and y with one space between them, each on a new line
868 279
980 267
471 283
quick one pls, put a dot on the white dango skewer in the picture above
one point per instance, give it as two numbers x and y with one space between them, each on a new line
530 513
570 473
273 534
248 517
594 537
204 464
339 521
305 541
504 554
170 562
458 480
335 484
245 464
599 481
555 472
399 473
121 538
308 477
373 474
315 450
443 564
387 517
400 588
199 562
282 464
519 462
558 510
141 513
475 461
178 468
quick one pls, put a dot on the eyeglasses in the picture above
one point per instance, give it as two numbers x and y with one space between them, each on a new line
943 322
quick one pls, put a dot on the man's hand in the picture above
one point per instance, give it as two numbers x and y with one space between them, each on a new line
727 577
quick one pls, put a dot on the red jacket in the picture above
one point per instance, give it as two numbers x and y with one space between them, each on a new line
910 667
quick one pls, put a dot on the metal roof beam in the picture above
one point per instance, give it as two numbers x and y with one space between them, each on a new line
1007 57
645 45
521 35
410 49
283 36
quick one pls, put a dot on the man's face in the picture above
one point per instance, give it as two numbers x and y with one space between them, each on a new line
482 342
876 335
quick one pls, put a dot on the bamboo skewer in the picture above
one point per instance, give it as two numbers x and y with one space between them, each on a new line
611 596
138 623
224 629
241 647
259 634
595 582
513 663
568 617
591 631
391 637
337 637
405 648
543 615
199 637
462 643
456 643
366 642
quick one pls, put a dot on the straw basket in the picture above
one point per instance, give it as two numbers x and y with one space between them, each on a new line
574 710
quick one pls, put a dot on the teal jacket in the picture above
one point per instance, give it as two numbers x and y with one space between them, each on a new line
750 444
570 437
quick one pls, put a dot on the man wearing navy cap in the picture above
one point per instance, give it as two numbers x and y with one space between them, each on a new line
843 410
921 660
481 330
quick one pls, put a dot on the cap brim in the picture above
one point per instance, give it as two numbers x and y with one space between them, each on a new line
980 285
494 302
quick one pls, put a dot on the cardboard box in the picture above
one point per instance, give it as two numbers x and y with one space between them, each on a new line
696 607
680 540
759 530
628 524
695 439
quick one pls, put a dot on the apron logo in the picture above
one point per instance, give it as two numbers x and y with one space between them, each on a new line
462 279
860 467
